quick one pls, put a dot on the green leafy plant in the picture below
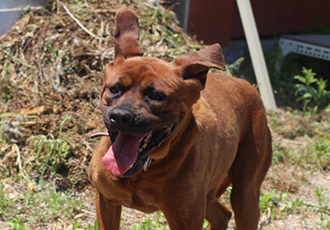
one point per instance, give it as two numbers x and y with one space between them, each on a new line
312 90
323 208
289 205
206 224
266 200
95 227
278 204
76 224
156 222
233 68
277 154
17 224
147 224
318 152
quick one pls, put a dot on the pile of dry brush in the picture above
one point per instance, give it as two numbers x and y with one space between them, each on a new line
51 64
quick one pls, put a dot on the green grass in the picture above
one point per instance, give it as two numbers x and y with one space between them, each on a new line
31 206
281 205
301 148
156 223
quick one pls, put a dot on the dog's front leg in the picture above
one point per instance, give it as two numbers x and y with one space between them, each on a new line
107 213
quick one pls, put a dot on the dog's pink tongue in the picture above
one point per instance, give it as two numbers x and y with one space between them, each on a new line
122 153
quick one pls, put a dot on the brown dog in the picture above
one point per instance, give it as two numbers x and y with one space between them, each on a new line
179 137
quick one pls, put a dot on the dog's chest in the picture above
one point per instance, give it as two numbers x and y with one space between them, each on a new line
132 194
144 201
141 199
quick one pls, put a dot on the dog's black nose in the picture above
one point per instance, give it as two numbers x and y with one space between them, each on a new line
121 118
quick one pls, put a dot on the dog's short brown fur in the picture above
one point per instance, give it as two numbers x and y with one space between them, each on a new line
206 131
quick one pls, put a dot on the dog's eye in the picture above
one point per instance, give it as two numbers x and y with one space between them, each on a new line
156 96
114 89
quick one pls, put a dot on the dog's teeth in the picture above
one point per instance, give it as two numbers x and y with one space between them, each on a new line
140 150
168 129
147 139
160 143
144 145
147 164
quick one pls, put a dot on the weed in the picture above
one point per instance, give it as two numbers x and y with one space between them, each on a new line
323 208
146 224
95 227
5 92
233 68
76 224
318 151
41 203
311 94
206 224
17 224
325 224
316 27
51 151
277 153
266 200
287 205
156 223
7 204
278 205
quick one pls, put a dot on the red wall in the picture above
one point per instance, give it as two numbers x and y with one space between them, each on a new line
211 20
218 20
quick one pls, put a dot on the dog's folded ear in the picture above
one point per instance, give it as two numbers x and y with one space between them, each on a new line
126 38
197 64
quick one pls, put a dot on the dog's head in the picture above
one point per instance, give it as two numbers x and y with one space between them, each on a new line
144 100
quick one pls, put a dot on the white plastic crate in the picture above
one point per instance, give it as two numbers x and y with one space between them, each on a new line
317 46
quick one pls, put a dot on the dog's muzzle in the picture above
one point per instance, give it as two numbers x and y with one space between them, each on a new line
129 150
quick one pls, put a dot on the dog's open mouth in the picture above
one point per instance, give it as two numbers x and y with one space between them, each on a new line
128 153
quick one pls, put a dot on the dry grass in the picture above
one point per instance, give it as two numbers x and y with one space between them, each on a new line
51 69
